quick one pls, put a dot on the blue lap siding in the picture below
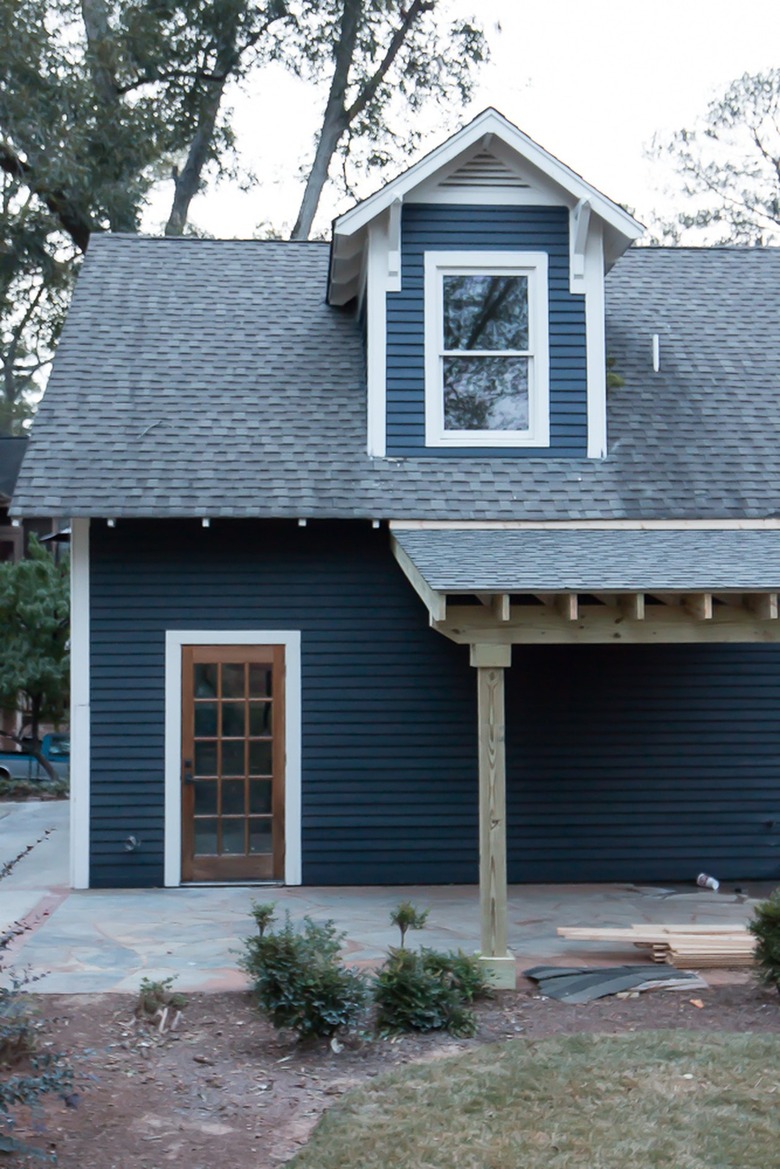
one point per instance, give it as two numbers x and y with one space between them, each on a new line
388 730
644 763
448 227
624 762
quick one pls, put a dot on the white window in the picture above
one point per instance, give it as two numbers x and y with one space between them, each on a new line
486 349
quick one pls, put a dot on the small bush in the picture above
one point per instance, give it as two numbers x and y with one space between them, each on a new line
428 991
298 978
765 926
408 917
26 1073
22 789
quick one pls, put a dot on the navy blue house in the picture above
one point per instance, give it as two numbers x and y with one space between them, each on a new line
448 551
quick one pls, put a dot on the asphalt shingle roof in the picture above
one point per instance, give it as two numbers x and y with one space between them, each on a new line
209 377
595 561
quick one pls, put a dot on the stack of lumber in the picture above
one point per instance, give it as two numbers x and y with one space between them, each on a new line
678 945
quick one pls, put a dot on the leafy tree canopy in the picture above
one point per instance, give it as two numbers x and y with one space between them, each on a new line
729 168
103 99
34 660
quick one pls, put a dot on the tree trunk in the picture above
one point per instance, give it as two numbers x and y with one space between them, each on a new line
35 736
187 181
338 118
100 46
334 122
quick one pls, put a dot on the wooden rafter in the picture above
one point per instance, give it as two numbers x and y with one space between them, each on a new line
434 601
764 605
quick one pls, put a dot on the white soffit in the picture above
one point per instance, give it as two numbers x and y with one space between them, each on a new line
504 163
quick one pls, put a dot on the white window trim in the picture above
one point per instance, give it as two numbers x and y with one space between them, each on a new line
175 639
531 264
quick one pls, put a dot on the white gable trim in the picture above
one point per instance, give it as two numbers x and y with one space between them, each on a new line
488 122
291 640
79 704
595 342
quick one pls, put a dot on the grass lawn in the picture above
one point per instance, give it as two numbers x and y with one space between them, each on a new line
674 1099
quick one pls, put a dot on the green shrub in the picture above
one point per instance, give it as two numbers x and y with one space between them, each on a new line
26 1073
298 978
428 991
765 926
463 972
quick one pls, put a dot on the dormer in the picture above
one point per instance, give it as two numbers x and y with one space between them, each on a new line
480 275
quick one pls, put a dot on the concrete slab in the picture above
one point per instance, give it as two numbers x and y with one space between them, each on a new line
99 941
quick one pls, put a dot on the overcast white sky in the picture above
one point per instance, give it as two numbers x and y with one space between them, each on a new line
590 81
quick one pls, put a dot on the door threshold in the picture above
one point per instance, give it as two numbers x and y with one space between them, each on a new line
248 884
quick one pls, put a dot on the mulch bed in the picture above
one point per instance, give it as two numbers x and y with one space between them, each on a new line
224 1088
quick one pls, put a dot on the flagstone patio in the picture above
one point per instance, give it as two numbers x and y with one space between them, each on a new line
107 940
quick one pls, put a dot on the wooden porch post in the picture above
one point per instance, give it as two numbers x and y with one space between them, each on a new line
490 662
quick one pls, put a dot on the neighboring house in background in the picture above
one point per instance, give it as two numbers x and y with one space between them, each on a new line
15 533
11 534
13 543
328 495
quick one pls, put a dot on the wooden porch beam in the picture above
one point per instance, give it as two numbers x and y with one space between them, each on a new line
598 624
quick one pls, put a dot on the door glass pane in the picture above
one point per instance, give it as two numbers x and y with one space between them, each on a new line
260 836
260 758
205 681
260 718
233 758
233 836
233 797
259 681
206 797
260 796
233 719
205 758
205 836
206 718
233 681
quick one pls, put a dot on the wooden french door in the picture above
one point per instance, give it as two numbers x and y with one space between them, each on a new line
232 764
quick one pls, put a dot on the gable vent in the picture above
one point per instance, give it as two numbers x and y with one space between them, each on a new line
483 170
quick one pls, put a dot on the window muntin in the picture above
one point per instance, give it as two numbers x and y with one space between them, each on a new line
486 349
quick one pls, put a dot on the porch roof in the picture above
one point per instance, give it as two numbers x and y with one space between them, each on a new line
533 560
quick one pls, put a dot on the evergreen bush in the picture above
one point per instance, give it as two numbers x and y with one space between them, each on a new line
413 992
765 926
298 978
426 990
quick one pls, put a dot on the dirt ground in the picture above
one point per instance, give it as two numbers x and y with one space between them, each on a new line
224 1080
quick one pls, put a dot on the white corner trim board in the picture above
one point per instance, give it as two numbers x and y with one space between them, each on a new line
79 704
291 640
595 343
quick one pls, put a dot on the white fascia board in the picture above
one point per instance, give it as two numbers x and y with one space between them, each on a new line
489 122
291 640
79 704
595 342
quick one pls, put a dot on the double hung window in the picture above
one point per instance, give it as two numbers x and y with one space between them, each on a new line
486 342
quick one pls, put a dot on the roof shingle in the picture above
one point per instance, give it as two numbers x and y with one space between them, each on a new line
209 377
